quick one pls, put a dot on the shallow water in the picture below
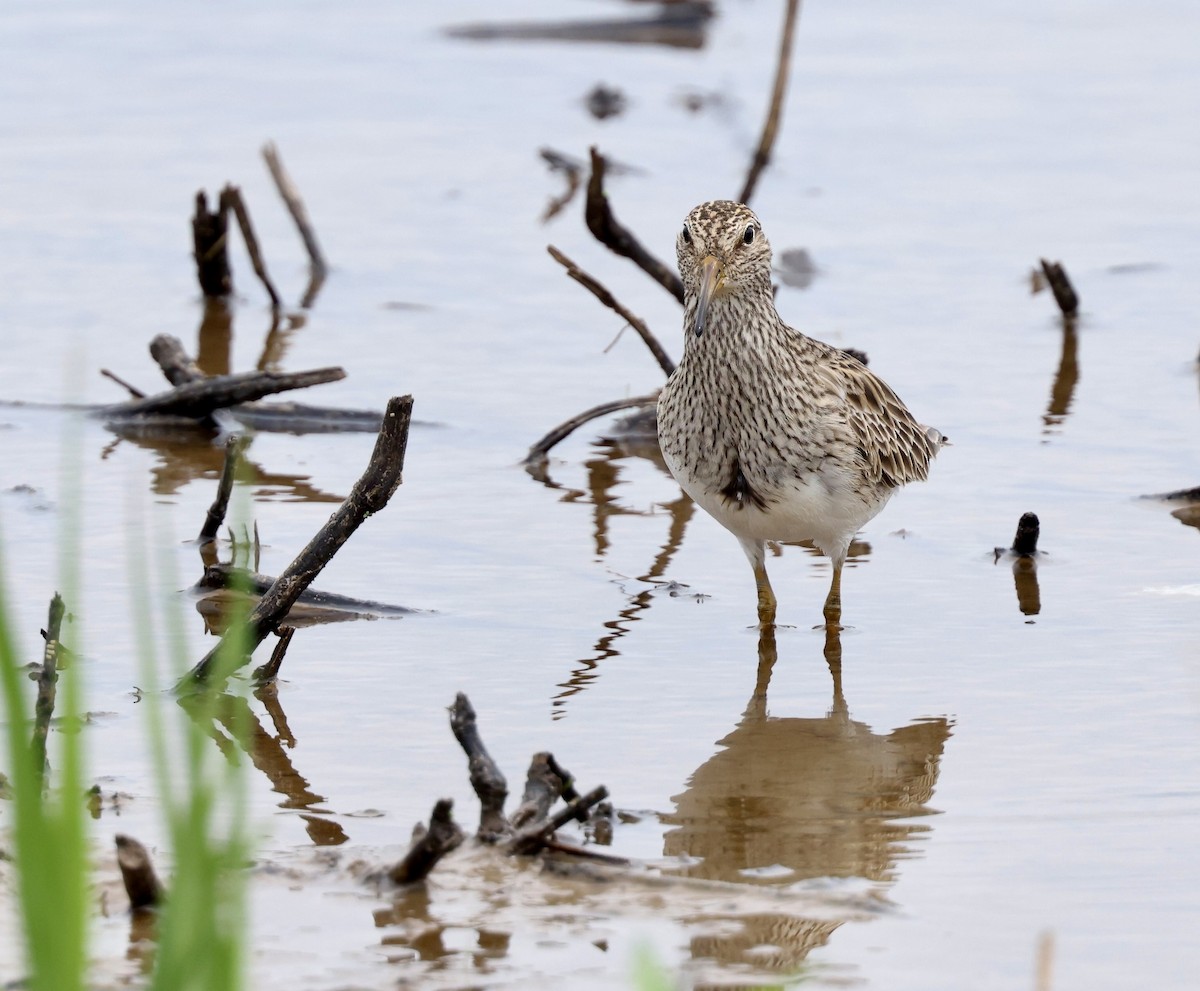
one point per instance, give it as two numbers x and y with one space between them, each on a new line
975 774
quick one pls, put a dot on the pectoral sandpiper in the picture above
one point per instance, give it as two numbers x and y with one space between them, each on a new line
776 435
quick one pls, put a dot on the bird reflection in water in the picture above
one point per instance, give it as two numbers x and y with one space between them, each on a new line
790 798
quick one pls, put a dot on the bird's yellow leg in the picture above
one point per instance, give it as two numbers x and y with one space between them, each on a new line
766 596
833 601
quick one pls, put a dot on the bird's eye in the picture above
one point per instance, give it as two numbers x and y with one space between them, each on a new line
687 235
749 235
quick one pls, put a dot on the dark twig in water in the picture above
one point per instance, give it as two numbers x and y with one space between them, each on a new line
762 154
47 683
598 290
606 229
231 197
142 886
534 837
200 399
210 247
1060 285
133 390
429 845
295 205
370 495
234 448
537 453
486 778
270 670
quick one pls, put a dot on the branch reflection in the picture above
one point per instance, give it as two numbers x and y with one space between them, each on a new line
1063 389
235 720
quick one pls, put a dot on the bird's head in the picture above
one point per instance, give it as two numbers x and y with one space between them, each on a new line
722 253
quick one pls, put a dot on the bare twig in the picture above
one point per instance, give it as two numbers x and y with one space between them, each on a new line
142 886
295 205
231 197
1064 293
601 293
234 448
762 154
133 390
429 845
370 495
537 453
486 778
616 238
47 682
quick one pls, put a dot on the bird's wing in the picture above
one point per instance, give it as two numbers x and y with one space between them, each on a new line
894 447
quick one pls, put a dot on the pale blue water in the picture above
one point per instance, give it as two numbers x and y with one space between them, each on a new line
929 156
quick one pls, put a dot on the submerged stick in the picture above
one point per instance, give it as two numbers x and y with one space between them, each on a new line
370 495
601 293
270 671
47 682
762 154
606 229
142 886
234 448
537 453
210 244
1064 293
133 390
231 197
486 777
429 845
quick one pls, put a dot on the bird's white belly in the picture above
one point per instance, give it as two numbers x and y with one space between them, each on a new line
824 507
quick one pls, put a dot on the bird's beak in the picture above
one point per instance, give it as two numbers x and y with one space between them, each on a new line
712 275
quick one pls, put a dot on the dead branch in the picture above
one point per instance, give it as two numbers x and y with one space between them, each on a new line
142 886
429 845
47 682
370 495
1064 293
1028 530
234 448
198 400
601 293
545 783
486 778
606 229
534 837
231 198
210 243
762 154
295 206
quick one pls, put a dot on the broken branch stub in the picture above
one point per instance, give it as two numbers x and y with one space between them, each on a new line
231 199
1064 293
210 243
534 837
429 846
142 885
234 448
544 784
486 777
370 495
